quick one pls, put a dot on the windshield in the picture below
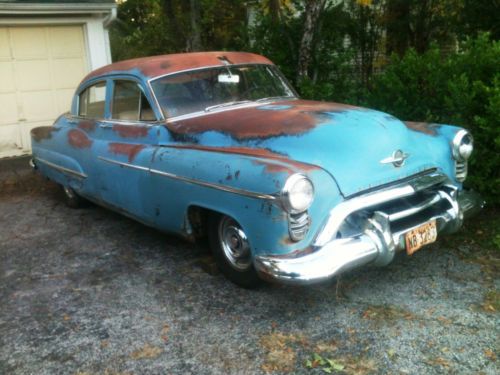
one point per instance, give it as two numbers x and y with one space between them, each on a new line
209 89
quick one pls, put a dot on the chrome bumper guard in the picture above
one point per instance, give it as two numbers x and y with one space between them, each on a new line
382 234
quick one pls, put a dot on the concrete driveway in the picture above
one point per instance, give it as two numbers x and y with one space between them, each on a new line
91 292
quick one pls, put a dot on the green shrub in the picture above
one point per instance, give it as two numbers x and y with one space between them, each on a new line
462 88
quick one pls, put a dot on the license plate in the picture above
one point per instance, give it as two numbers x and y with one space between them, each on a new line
418 237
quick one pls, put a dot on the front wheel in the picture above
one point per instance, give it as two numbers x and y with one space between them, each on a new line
231 251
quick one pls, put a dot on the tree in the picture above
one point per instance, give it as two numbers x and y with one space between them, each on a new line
312 12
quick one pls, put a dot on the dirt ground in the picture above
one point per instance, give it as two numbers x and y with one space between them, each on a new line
91 292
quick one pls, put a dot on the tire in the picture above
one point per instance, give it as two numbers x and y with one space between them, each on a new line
231 251
72 199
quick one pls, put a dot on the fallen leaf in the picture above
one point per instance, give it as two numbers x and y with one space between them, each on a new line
490 354
146 352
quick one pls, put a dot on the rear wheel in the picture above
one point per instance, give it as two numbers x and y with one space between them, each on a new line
231 250
72 199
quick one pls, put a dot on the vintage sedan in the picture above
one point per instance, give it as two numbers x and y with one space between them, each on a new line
218 146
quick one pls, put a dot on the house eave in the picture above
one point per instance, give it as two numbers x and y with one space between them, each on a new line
61 8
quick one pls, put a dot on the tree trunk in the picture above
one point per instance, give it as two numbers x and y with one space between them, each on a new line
195 26
398 26
312 13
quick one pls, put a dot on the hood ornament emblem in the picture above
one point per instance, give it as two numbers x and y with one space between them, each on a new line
397 158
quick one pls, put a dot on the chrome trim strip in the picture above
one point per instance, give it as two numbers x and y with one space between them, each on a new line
62 169
218 110
193 181
417 208
204 67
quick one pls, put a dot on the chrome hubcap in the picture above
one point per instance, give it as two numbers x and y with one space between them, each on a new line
234 243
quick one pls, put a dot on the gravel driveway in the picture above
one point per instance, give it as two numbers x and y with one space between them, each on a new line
91 292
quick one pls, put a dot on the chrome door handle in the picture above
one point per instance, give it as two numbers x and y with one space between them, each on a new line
106 126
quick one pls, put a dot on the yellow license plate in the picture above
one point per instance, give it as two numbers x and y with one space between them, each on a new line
418 237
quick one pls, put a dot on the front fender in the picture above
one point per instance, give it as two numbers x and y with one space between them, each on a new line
219 181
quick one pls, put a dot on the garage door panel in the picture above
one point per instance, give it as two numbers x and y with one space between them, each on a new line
38 105
69 72
29 42
10 138
8 109
4 44
63 100
7 83
33 75
66 41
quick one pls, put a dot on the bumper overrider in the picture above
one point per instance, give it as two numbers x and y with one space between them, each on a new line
381 220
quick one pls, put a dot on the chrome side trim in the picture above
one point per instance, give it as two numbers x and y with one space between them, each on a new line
61 169
193 181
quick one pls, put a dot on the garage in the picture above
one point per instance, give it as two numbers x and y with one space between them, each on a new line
45 50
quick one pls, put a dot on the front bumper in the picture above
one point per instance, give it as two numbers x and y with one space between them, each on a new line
381 235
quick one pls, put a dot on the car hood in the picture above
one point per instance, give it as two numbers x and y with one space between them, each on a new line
353 144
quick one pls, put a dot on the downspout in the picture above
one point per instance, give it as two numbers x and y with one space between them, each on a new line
106 23
110 18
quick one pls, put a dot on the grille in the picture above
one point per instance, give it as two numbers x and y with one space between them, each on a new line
402 213
460 170
298 225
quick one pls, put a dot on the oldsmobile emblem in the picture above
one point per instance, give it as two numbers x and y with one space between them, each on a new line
397 158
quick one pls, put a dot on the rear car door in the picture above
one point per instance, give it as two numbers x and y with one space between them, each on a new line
127 141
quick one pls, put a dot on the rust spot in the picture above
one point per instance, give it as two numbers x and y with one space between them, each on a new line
271 167
87 125
286 240
164 64
43 132
78 139
131 131
297 253
257 153
129 150
422 127
294 118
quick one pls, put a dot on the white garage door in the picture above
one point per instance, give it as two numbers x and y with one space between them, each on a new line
40 68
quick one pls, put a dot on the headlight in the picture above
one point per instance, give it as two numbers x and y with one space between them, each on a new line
298 193
462 144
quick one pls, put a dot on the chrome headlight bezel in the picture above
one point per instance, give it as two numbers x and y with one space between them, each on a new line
287 193
462 145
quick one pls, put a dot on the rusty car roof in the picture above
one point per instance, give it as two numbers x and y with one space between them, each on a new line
155 66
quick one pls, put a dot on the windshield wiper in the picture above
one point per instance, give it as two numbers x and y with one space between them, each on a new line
228 104
273 97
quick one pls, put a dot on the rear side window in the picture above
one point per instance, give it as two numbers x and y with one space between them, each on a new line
130 103
91 101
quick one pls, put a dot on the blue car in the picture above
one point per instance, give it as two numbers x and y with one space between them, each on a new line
218 145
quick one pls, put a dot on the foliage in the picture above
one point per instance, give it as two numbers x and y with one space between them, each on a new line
462 89
152 27
327 365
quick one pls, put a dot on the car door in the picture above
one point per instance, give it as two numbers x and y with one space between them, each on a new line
127 141
82 134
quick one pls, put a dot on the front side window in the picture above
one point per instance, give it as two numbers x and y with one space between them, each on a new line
130 103
92 100
203 90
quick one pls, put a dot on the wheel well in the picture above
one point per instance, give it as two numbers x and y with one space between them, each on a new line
197 217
